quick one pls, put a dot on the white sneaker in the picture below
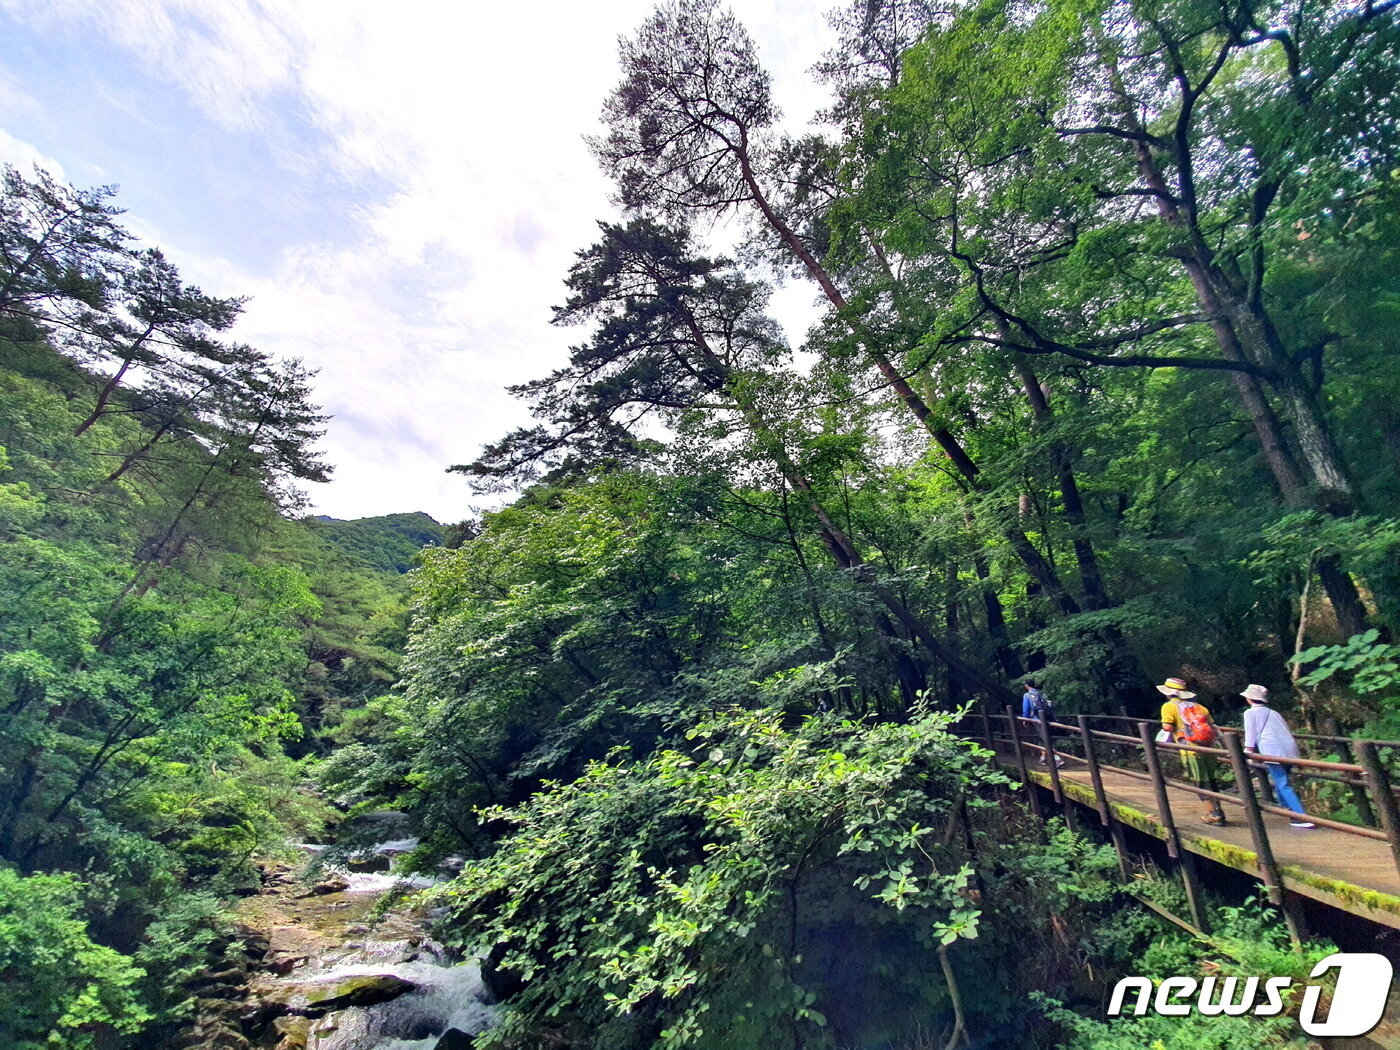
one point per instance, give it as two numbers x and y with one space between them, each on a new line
1302 824
1059 761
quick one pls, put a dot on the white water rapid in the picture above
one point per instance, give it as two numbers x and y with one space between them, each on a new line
448 994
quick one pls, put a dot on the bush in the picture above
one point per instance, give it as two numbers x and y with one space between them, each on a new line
58 990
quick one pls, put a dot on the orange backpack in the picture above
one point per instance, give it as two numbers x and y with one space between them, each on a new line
1195 724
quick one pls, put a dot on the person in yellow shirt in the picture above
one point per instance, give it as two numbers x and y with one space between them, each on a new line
1189 722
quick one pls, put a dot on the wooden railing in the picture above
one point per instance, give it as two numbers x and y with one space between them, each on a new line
1135 753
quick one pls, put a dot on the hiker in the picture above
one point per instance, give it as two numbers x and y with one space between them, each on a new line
1266 733
1187 721
1035 704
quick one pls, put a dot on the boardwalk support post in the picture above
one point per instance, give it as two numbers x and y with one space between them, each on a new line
1189 878
1381 795
1106 817
1268 866
1031 790
1048 757
1358 793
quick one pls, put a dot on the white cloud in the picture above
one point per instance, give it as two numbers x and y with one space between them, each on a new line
472 116
26 157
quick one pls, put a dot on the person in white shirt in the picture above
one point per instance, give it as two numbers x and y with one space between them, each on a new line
1266 733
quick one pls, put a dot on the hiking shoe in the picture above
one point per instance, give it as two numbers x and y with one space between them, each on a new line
1302 824
1215 820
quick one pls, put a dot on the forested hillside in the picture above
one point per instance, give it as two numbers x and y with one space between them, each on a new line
389 542
173 638
1105 390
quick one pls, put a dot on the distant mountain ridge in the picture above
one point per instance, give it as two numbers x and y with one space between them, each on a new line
387 542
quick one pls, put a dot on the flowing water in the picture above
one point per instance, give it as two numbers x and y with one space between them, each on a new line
449 996
449 992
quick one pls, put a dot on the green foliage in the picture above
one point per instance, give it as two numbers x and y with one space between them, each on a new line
157 618
1112 291
1193 1032
1250 939
176 947
758 885
1370 665
388 542
1365 667
61 991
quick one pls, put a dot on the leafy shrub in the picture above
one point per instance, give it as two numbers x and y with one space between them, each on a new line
59 990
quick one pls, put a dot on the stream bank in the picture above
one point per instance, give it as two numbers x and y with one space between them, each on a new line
319 968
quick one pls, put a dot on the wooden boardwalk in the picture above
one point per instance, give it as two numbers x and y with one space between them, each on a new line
1355 874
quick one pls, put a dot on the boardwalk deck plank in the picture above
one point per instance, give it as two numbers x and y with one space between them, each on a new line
1355 874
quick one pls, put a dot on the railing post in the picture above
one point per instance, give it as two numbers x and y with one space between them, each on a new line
1358 793
1048 756
987 726
1031 790
1091 759
1159 789
1115 829
1268 866
1189 879
1382 798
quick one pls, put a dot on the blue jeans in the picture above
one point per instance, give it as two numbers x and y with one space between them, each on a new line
1287 797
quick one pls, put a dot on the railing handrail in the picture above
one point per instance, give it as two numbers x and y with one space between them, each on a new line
1218 752
1367 778
1329 738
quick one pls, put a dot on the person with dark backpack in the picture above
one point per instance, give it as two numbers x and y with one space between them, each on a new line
1035 704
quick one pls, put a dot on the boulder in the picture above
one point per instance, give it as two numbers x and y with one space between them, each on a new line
365 990
372 862
325 888
502 984
285 964
455 1039
234 974
255 942
276 876
294 1032
226 1040
318 998
290 946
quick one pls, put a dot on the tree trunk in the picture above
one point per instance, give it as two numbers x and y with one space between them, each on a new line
1007 657
110 387
954 683
967 468
131 459
1091 580
842 548
1245 334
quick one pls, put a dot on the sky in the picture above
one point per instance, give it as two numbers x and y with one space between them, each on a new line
398 188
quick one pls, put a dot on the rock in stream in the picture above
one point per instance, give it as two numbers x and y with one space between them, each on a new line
323 972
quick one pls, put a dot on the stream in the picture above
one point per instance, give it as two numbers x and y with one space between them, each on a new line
335 976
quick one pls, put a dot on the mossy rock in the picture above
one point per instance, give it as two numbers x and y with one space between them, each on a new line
318 998
364 990
295 1032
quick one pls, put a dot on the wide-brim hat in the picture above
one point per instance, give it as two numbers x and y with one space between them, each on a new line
1175 687
1257 693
